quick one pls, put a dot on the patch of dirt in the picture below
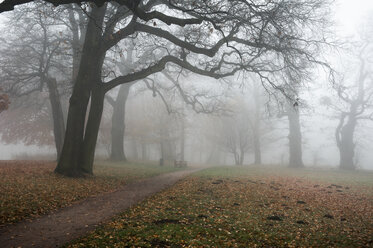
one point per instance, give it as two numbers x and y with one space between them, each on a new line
301 222
160 243
166 221
274 217
219 181
202 216
329 216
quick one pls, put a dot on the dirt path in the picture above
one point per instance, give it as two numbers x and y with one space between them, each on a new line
72 222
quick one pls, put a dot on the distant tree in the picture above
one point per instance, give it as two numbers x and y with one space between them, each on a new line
290 106
236 137
117 123
295 134
151 125
140 124
125 65
231 131
32 60
355 93
29 123
36 57
257 114
186 99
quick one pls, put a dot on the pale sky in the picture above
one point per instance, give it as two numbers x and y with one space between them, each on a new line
351 13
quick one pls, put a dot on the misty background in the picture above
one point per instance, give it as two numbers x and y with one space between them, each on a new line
158 122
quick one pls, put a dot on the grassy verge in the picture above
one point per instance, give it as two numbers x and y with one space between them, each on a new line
30 188
249 207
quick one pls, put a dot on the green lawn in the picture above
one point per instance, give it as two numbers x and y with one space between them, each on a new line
249 207
30 188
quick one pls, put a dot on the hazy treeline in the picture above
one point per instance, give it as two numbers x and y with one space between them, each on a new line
186 85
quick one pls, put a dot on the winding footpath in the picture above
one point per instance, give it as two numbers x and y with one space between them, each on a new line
66 224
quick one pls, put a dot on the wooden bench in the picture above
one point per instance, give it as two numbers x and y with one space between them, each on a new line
180 164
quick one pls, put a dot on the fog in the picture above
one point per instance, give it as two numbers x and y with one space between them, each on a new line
186 123
236 119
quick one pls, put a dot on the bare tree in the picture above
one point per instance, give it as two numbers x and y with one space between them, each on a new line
36 58
257 111
295 135
356 93
231 131
291 111
208 38
32 60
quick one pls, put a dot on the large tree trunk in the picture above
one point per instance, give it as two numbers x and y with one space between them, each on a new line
118 125
91 131
346 149
119 110
89 75
345 132
345 142
57 114
68 163
295 138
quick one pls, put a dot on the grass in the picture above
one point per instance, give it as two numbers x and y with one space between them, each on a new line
358 178
30 188
249 207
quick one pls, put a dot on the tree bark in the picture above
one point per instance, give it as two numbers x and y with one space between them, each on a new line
68 163
345 132
57 115
347 147
89 75
118 124
295 137
91 130
345 139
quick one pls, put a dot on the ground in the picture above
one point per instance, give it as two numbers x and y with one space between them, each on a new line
216 207
69 223
30 188
248 207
